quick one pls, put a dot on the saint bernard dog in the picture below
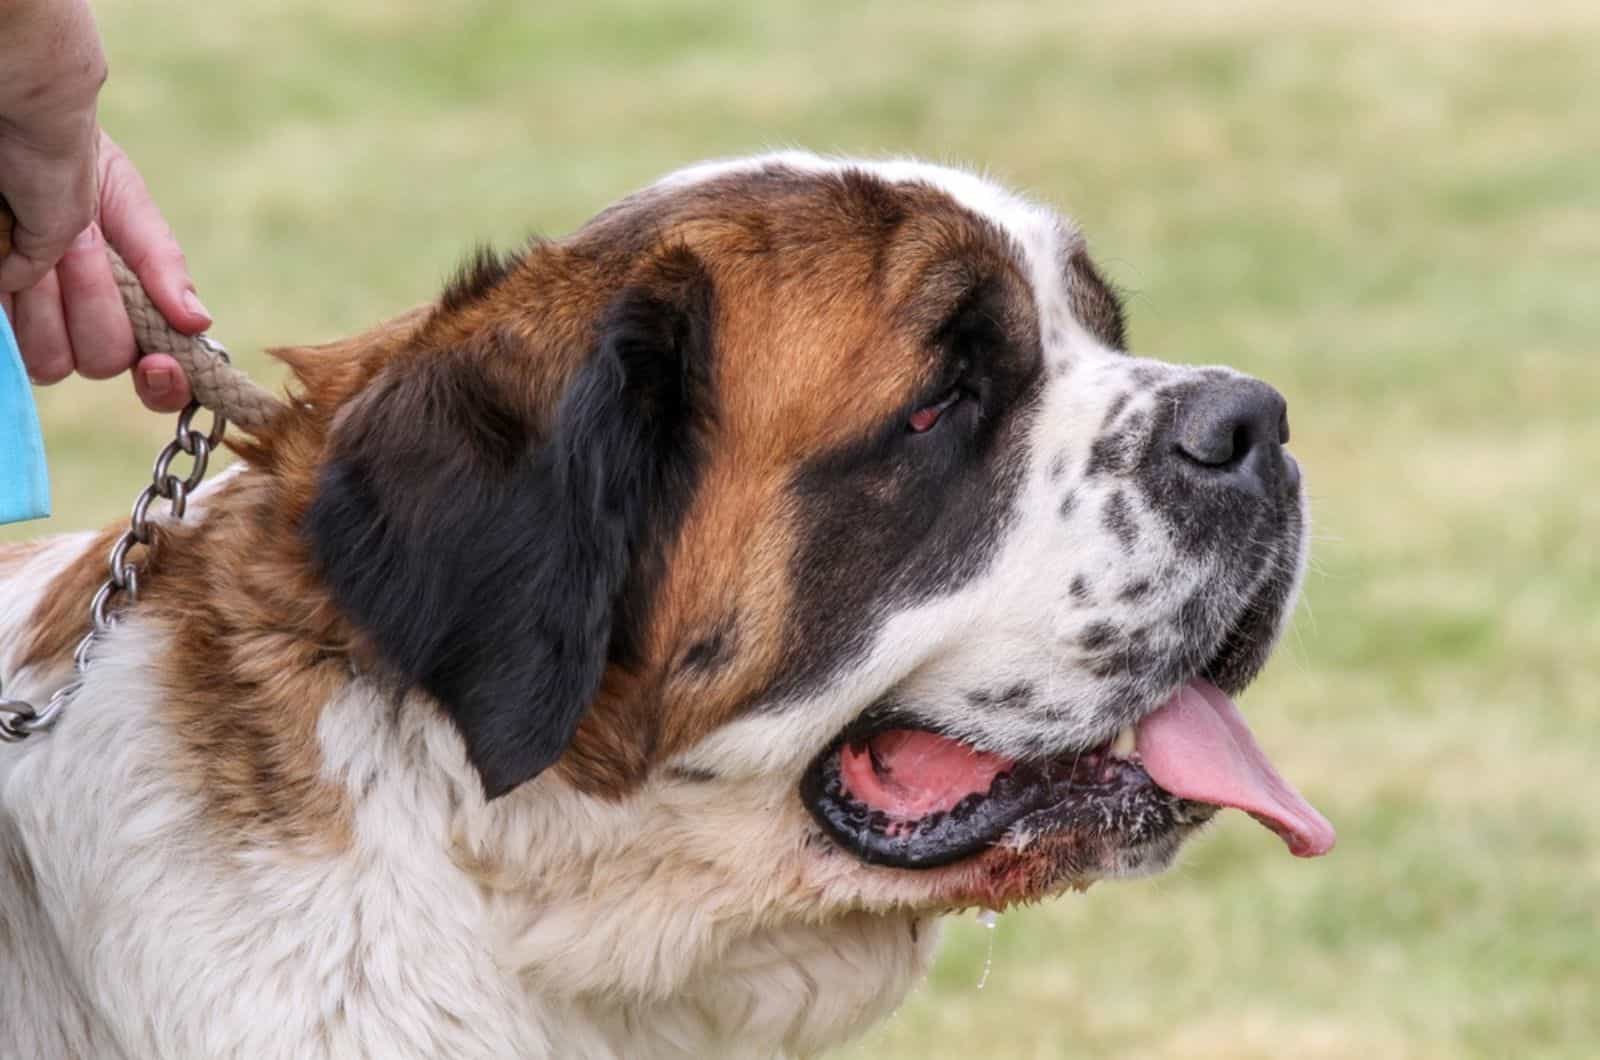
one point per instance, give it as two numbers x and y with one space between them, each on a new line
635 652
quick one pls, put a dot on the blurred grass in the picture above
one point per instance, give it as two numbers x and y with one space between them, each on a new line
1394 215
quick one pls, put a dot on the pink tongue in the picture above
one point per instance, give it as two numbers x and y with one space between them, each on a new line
1198 747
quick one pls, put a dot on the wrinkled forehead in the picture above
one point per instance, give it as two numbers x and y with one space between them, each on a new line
1041 241
837 280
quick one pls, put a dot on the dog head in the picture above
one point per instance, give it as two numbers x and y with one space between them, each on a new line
819 508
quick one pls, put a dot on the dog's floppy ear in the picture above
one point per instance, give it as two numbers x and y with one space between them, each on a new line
485 558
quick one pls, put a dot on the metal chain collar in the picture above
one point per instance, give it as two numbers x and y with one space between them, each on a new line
18 719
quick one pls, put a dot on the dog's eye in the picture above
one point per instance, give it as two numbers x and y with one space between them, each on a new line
924 418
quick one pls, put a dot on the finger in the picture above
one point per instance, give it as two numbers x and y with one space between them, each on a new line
134 225
97 324
160 383
42 332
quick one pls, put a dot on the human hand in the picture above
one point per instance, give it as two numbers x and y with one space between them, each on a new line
73 318
57 171
50 75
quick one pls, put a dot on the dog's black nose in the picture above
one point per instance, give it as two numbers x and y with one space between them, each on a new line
1231 429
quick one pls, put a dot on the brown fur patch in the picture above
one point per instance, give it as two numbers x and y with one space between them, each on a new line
254 656
61 617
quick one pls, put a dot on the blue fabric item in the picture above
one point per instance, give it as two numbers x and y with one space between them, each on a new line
24 483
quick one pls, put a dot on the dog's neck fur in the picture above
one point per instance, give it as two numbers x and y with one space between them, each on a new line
625 925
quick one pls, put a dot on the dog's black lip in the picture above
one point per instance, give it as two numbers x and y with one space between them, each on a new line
1041 796
968 827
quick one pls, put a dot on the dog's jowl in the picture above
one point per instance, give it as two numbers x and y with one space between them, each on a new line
632 653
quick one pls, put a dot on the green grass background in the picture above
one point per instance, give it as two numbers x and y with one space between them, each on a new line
1393 215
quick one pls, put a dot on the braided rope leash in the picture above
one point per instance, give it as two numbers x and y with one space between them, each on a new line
218 386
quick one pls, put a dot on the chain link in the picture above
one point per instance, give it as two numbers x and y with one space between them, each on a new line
18 719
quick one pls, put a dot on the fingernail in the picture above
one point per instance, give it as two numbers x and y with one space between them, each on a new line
159 381
192 303
85 240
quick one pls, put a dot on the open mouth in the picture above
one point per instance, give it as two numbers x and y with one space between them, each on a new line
907 797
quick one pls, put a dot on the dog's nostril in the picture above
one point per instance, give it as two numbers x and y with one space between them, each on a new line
1220 424
1238 445
1217 444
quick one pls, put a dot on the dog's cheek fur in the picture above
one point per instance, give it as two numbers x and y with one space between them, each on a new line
489 565
924 515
